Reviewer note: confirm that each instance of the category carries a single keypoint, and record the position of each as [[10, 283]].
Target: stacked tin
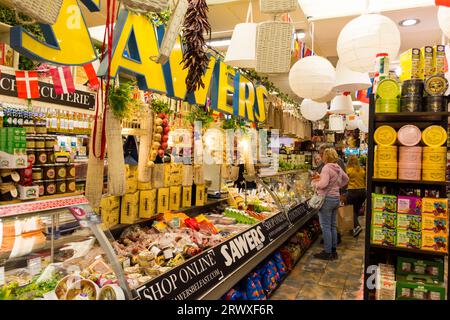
[[434, 154], [435, 88], [412, 93], [387, 96], [385, 153], [410, 155]]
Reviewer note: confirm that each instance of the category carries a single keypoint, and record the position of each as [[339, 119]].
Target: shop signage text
[[136, 43]]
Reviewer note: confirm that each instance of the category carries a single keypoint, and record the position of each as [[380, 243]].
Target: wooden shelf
[[417, 251], [420, 182], [411, 116]]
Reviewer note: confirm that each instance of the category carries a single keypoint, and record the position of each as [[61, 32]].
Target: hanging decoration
[[363, 38], [312, 77], [351, 122], [342, 104], [442, 3], [242, 50], [62, 80], [312, 110], [350, 81], [444, 20], [92, 76], [336, 123], [195, 57], [364, 114], [27, 84]]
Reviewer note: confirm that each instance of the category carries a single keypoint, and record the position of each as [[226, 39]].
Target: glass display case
[[56, 250]]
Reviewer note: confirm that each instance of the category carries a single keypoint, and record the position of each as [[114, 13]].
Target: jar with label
[[61, 186], [70, 168], [50, 187], [37, 174], [50, 156], [61, 172], [31, 156], [49, 171], [71, 185], [40, 184], [41, 156], [50, 142], [31, 142], [39, 142]]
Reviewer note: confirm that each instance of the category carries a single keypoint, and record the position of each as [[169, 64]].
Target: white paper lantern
[[242, 50], [364, 114], [327, 98], [312, 77], [336, 123], [444, 20], [342, 104], [363, 38], [312, 110], [362, 126], [349, 81], [351, 122]]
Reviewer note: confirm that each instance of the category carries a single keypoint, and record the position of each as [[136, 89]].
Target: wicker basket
[[277, 6], [172, 31], [43, 11], [273, 47], [145, 6]]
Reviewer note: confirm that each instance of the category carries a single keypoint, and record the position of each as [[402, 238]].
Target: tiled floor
[[314, 279]]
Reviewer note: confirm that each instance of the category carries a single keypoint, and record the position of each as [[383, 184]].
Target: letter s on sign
[[67, 42], [228, 259]]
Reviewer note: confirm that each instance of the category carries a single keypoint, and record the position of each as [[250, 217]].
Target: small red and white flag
[[443, 3], [92, 76], [27, 85], [63, 80]]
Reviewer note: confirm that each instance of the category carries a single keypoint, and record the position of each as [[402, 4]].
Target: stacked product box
[[435, 224], [384, 219], [420, 279], [409, 222], [385, 282]]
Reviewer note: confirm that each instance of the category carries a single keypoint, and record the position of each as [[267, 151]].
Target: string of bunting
[[62, 77]]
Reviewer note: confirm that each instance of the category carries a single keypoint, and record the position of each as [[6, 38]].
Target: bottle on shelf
[[14, 118], [70, 122]]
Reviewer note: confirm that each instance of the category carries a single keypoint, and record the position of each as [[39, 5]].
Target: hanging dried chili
[[195, 57]]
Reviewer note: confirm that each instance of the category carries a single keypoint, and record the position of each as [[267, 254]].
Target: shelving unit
[[375, 254]]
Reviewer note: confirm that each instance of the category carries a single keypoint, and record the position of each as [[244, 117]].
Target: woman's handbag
[[316, 201]]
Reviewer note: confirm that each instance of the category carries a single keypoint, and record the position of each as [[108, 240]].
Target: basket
[[43, 11], [273, 47], [172, 31], [277, 6], [145, 6]]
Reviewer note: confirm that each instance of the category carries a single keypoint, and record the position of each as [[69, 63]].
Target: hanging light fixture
[[312, 110], [350, 81], [342, 104], [336, 123]]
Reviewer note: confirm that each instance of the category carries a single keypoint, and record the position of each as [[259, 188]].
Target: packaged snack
[[409, 205], [432, 268], [410, 62], [383, 236], [422, 287], [439, 59], [436, 206], [433, 242], [409, 222], [384, 219], [409, 239], [427, 60], [436, 225], [383, 202]]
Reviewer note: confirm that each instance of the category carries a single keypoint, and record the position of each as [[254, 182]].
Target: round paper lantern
[[364, 114], [444, 20], [242, 50], [336, 123], [312, 110], [362, 126], [327, 98], [342, 104], [349, 81], [363, 38], [351, 122], [312, 77]]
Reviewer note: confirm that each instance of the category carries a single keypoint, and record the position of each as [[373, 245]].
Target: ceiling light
[[219, 43], [301, 34], [409, 22]]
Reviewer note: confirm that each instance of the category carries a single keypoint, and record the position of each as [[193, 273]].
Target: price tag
[[155, 250], [126, 263], [34, 266], [2, 276]]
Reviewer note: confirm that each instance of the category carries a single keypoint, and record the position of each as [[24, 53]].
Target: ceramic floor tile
[[353, 283], [318, 292], [286, 292], [333, 279], [351, 295]]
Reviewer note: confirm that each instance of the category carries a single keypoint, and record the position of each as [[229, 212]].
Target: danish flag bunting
[[443, 3], [92, 75], [62, 80], [27, 84]]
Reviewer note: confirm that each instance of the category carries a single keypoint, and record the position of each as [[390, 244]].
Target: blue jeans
[[327, 217]]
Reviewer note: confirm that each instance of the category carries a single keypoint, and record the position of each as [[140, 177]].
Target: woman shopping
[[327, 184], [356, 194]]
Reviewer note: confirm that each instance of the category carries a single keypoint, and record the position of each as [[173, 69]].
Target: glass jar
[[61, 172], [37, 173], [50, 187], [41, 156], [71, 185], [70, 168], [50, 156], [39, 142], [49, 171], [50, 142], [41, 185], [31, 142], [31, 156], [61, 186]]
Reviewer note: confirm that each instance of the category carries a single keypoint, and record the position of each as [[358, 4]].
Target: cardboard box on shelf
[[384, 202], [409, 205], [147, 204], [383, 236], [436, 206], [421, 287], [129, 212], [427, 61], [434, 242], [409, 222], [175, 198], [439, 59], [162, 200], [110, 202], [110, 217], [200, 195], [432, 268], [131, 185], [410, 63], [436, 225], [382, 219], [186, 201], [409, 239]]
